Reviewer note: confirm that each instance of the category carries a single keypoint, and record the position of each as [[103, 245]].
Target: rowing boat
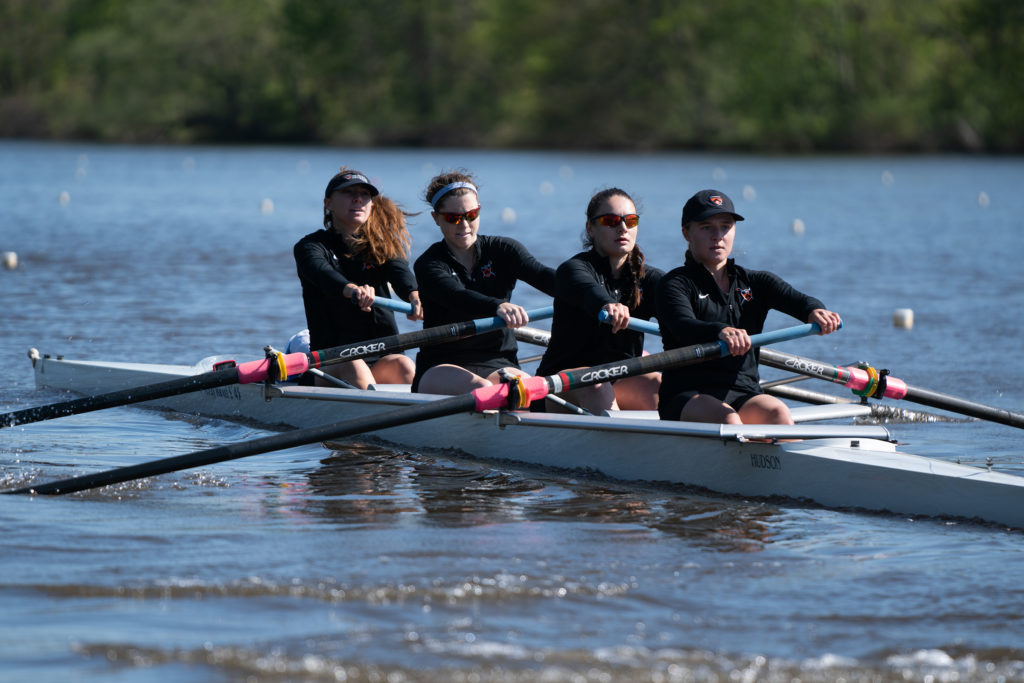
[[832, 465]]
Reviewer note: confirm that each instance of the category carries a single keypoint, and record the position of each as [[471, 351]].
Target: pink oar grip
[[495, 397], [895, 387], [258, 370], [858, 379]]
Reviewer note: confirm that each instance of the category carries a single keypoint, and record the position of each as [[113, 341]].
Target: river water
[[372, 564]]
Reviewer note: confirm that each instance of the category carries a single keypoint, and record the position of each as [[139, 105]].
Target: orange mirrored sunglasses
[[611, 220]]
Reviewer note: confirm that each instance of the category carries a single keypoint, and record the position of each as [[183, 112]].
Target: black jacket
[[583, 286], [693, 310], [324, 269], [451, 293]]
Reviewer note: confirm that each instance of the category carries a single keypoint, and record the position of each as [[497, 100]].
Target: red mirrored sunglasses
[[611, 220], [454, 218]]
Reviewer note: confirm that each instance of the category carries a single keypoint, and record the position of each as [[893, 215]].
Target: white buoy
[[267, 206], [798, 226], [546, 188], [749, 193], [887, 178], [903, 318], [508, 215], [983, 199], [10, 260], [64, 198]]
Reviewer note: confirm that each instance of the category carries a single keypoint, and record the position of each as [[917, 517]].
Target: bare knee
[[394, 369], [451, 380], [704, 408], [766, 409]]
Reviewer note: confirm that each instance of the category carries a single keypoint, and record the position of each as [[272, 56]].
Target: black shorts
[[671, 409], [482, 367]]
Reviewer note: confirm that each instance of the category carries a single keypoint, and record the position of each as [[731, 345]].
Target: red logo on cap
[[715, 199]]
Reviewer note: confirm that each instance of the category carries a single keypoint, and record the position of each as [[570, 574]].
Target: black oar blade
[[300, 437]]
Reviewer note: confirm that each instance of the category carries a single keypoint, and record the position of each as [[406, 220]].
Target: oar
[[515, 395], [635, 324], [859, 379], [866, 383], [532, 335], [392, 304], [276, 366]]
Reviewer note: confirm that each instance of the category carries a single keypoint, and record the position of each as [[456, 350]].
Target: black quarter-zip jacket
[[693, 310], [451, 293], [324, 268], [583, 286]]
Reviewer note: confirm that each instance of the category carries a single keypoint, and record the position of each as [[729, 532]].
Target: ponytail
[[384, 236]]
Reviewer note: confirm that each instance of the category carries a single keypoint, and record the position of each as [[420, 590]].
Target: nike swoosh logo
[[703, 296]]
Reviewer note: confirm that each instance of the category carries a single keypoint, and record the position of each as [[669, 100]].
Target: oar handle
[[392, 304], [766, 337], [635, 324], [776, 336], [496, 323]]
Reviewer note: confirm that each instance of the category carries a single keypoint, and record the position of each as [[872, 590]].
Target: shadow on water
[[371, 483]]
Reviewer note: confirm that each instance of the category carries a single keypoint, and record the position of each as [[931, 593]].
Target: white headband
[[448, 188]]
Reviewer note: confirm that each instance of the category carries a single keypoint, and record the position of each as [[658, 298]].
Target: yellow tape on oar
[[521, 395], [277, 369], [869, 388], [518, 395]]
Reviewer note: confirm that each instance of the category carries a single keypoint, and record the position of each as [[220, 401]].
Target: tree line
[[753, 75]]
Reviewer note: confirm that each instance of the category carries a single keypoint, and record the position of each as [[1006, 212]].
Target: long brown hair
[[635, 261], [384, 236]]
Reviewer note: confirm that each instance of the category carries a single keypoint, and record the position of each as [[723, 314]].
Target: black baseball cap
[[707, 203], [348, 179]]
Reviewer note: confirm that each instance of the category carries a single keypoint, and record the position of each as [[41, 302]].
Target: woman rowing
[[465, 276], [362, 249], [611, 277], [709, 298]]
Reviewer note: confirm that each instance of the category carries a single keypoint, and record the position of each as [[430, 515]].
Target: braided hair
[[635, 261]]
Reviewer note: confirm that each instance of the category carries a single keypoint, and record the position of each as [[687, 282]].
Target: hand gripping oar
[[392, 304], [276, 367], [635, 324], [868, 382], [516, 394]]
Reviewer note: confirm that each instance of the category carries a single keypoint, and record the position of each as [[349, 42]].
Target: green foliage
[[773, 75]]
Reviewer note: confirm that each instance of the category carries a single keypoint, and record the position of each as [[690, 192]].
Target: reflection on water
[[371, 483]]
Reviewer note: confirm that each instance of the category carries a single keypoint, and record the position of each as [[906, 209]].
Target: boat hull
[[835, 466]]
